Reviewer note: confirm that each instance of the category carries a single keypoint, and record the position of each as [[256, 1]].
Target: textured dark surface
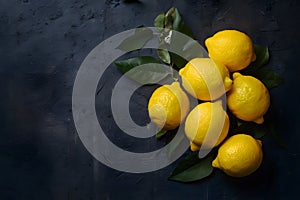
[[42, 44]]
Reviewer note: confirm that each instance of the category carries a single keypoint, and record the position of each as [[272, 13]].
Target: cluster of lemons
[[207, 124]]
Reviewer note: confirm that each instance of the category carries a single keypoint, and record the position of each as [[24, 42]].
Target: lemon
[[232, 48], [207, 124], [205, 79], [168, 106], [248, 99], [239, 156]]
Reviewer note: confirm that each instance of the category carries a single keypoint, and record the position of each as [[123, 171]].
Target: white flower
[[168, 38]]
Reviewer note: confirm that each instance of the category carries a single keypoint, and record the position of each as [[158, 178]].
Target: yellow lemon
[[232, 48], [207, 124], [239, 156], [205, 79], [248, 99], [168, 106]]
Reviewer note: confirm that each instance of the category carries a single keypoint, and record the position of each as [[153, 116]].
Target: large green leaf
[[192, 168], [269, 78], [151, 73], [136, 41]]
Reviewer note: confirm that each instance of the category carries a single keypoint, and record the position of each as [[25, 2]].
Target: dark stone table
[[43, 43]]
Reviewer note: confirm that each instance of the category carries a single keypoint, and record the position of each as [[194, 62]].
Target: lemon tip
[[253, 57], [259, 142], [194, 147], [215, 163], [259, 120], [236, 74], [227, 83], [207, 41]]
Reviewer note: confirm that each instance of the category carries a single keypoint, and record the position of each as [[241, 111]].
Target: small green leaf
[[126, 65], [262, 55], [163, 53], [269, 78], [192, 168], [151, 73], [174, 21], [251, 128], [262, 58], [159, 21], [160, 133], [169, 18], [136, 41]]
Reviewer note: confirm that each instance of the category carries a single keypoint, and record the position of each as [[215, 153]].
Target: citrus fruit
[[239, 156], [168, 106], [248, 98], [207, 124], [205, 79], [232, 48]]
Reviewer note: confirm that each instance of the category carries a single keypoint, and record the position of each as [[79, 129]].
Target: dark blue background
[[42, 44]]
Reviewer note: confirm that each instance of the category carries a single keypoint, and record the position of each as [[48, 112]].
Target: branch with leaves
[[191, 168]]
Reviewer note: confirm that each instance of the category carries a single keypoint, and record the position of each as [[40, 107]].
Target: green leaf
[[192, 49], [192, 168], [159, 21], [160, 133], [136, 41], [259, 133], [179, 62], [148, 74], [262, 58], [188, 49], [251, 128], [174, 21], [163, 53], [179, 25], [186, 163], [269, 78], [126, 65], [169, 18]]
